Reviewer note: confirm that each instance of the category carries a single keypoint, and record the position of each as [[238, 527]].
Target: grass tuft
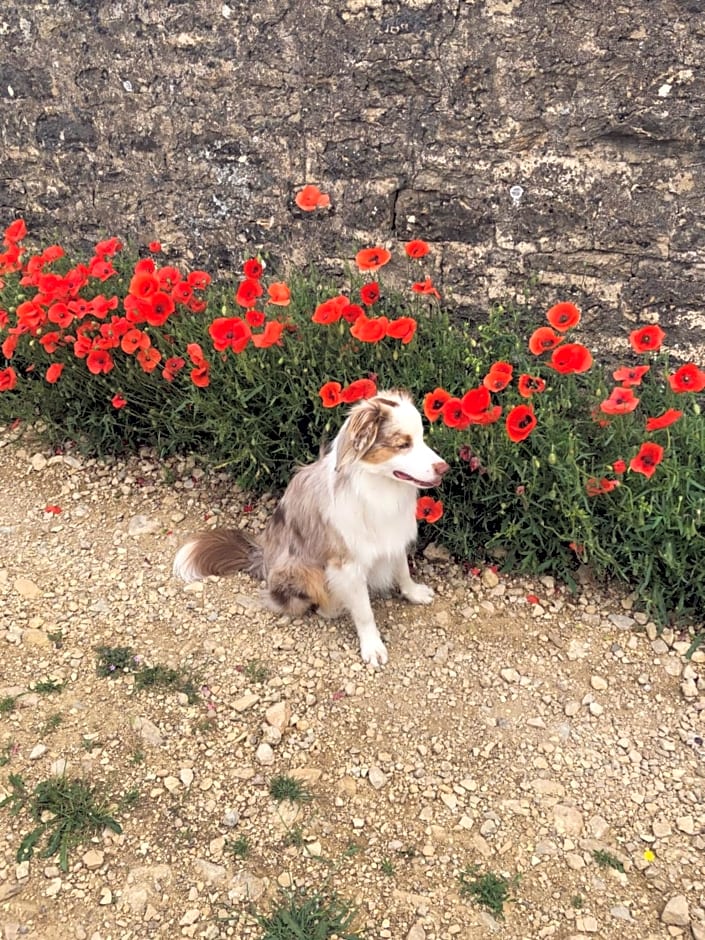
[[488, 889], [66, 810], [301, 916], [606, 860], [283, 787]]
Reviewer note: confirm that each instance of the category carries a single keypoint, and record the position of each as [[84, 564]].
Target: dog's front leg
[[348, 585], [414, 592]]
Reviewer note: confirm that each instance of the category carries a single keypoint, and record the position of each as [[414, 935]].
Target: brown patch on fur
[[360, 431], [387, 446], [223, 552], [295, 588]]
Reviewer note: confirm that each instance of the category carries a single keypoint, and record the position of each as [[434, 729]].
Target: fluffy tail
[[221, 552]]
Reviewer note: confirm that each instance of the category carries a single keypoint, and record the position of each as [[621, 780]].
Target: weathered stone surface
[[417, 118]]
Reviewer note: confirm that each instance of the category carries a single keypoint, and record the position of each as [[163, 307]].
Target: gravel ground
[[520, 737]]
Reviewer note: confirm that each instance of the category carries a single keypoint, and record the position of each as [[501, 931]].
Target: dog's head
[[384, 435]]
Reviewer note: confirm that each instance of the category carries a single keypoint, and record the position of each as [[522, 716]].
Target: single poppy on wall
[[371, 259], [416, 248], [425, 287], [647, 339], [279, 294], [563, 316], [571, 358], [543, 340], [627, 376], [311, 198], [369, 293], [360, 388], [53, 373], [689, 378], [402, 328]]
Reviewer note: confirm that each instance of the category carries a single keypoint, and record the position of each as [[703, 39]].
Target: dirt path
[[560, 741]]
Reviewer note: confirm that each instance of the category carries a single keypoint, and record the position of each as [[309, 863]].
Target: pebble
[[39, 750], [93, 859], [186, 776], [377, 778], [264, 754], [142, 525], [676, 912], [598, 683], [279, 716], [148, 731], [26, 588], [245, 701], [622, 621]]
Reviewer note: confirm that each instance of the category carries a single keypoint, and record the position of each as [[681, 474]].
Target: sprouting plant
[[487, 888], [284, 787], [299, 915], [606, 859]]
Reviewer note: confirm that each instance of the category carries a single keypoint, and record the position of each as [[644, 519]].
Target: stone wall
[[196, 122]]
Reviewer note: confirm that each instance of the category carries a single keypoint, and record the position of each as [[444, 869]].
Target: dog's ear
[[359, 432]]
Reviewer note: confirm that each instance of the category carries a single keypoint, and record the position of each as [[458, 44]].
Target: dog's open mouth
[[423, 484]]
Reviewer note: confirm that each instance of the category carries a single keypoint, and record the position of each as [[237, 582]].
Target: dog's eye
[[405, 445]]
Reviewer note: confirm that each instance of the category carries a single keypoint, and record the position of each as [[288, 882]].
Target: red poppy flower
[[255, 318], [595, 487], [8, 379], [30, 315], [571, 358], [149, 359], [53, 373], [620, 402], [9, 345], [351, 312], [619, 466], [429, 509], [182, 293], [60, 314], [529, 385], [271, 335], [688, 378], [628, 376], [369, 329], [99, 361], [155, 247], [499, 377], [168, 277], [647, 339], [199, 280], [361, 388], [117, 401], [248, 292], [53, 510], [563, 316], [100, 269], [279, 294], [200, 375], [433, 403], [328, 312], [310, 198], [229, 333], [108, 247], [369, 293], [454, 415], [15, 231], [371, 259], [197, 306], [649, 457], [161, 306], [143, 285], [133, 340], [543, 340], [195, 354], [171, 367], [402, 328], [663, 421], [50, 341], [252, 268], [417, 248], [520, 422], [331, 394], [476, 400], [425, 287]]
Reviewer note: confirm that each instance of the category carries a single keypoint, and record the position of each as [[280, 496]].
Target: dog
[[343, 526]]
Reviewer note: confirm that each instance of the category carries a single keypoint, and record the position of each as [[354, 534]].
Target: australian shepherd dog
[[344, 526]]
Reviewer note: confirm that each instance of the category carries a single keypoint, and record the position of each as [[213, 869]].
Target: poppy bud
[[552, 459], [536, 462], [696, 408]]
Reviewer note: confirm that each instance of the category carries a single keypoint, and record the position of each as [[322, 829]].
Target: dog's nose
[[441, 468]]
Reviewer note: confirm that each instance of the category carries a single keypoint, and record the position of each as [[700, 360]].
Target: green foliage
[[8, 704], [284, 787], [113, 661], [487, 888], [158, 676], [48, 686], [239, 847], [301, 916], [256, 671], [606, 859], [524, 504], [65, 810]]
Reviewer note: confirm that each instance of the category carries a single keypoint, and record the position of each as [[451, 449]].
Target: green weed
[[158, 676], [488, 889], [283, 787], [239, 847], [301, 916], [605, 859], [114, 661]]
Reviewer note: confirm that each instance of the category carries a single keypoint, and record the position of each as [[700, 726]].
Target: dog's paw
[[419, 594], [374, 652]]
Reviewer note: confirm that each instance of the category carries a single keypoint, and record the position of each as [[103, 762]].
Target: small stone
[[377, 778], [106, 896], [595, 709], [661, 828], [231, 818], [172, 784], [142, 525], [686, 824], [416, 933], [245, 701], [284, 880], [598, 683], [212, 873], [509, 675], [489, 578], [148, 731], [437, 553], [38, 462], [567, 819], [190, 917], [676, 912], [264, 754], [32, 637], [587, 924], [39, 750], [571, 708], [689, 689], [186, 776], [620, 912], [278, 716], [93, 859], [622, 622], [26, 588]]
